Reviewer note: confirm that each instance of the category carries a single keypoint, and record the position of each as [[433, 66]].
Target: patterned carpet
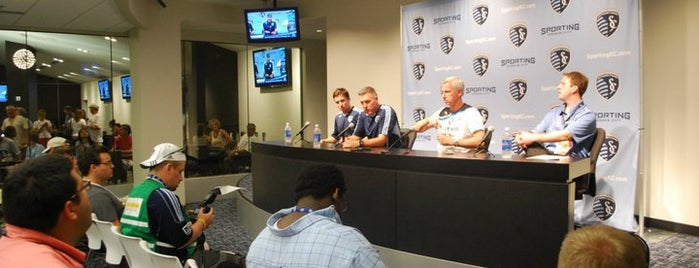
[[667, 250]]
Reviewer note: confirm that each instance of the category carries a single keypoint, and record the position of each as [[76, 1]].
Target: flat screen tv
[[104, 89], [270, 67], [126, 87], [3, 93], [272, 25]]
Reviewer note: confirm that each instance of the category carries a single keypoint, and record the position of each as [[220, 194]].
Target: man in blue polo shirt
[[568, 129], [377, 125], [347, 115]]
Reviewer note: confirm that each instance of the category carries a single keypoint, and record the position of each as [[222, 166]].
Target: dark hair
[[319, 181], [126, 127], [10, 132], [91, 156], [35, 193]]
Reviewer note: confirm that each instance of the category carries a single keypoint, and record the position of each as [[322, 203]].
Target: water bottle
[[287, 133], [316, 136], [506, 144]]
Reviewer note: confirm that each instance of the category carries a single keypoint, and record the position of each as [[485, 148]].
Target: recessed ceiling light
[[319, 31]]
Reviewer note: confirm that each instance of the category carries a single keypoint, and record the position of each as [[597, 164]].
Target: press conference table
[[476, 209]]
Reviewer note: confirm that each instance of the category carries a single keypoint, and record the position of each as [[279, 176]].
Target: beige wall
[[670, 67]]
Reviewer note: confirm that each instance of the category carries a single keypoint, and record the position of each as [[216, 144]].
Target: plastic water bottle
[[506, 144], [287, 133], [316, 136]]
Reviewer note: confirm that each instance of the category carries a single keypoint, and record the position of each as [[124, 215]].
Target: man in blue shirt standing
[[377, 125], [311, 233], [568, 129]]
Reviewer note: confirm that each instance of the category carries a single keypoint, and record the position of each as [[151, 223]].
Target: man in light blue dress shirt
[[311, 233], [568, 129]]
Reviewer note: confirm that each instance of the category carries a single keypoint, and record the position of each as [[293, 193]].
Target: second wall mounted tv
[[271, 66], [272, 25], [105, 90], [126, 87], [3, 93]]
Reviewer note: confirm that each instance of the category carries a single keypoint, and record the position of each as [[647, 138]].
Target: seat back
[[162, 260], [487, 137], [135, 255], [94, 237], [115, 251], [408, 140], [588, 184]]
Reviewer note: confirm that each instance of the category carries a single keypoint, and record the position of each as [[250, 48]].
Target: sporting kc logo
[[480, 14], [560, 57], [518, 34], [560, 5], [607, 85], [609, 148], [418, 70], [419, 114], [518, 88], [604, 207], [446, 43], [480, 65], [418, 25], [608, 22], [484, 113]]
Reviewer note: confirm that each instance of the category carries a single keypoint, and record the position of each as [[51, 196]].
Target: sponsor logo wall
[[512, 55]]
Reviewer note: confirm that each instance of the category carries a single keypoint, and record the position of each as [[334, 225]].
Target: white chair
[[135, 255], [111, 242], [94, 237], [162, 260]]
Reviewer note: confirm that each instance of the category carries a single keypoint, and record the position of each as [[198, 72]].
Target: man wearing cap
[[94, 124], [154, 213]]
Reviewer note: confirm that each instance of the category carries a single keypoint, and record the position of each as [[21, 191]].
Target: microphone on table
[[302, 129], [396, 141], [342, 133]]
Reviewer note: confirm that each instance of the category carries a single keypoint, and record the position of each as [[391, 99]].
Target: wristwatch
[[456, 142], [361, 143]]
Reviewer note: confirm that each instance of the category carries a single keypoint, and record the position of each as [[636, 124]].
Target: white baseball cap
[[164, 152], [55, 142]]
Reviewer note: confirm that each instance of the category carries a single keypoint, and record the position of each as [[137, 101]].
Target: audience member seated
[[311, 234], [84, 143], [201, 138], [238, 158], [602, 246], [47, 211], [123, 144], [154, 213], [219, 137], [96, 165], [34, 149], [9, 150]]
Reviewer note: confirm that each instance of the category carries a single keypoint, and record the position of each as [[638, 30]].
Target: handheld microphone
[[342, 133], [302, 129], [399, 139]]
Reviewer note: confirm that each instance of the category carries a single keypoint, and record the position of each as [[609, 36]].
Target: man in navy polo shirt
[[377, 125]]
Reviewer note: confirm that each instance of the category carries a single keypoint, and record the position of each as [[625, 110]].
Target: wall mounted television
[[271, 66], [3, 93], [105, 90], [272, 25], [126, 87]]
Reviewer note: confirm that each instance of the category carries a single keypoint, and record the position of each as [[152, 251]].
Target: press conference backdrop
[[512, 55]]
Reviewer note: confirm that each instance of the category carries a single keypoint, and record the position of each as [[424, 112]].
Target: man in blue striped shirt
[[311, 233]]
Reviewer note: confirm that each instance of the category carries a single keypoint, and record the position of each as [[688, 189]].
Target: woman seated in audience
[[82, 144], [219, 137], [34, 149], [122, 143]]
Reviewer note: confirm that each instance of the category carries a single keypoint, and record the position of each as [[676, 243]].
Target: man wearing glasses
[[47, 212], [154, 213], [96, 165]]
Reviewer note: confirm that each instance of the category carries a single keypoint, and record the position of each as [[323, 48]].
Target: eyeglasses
[[106, 163], [85, 185]]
